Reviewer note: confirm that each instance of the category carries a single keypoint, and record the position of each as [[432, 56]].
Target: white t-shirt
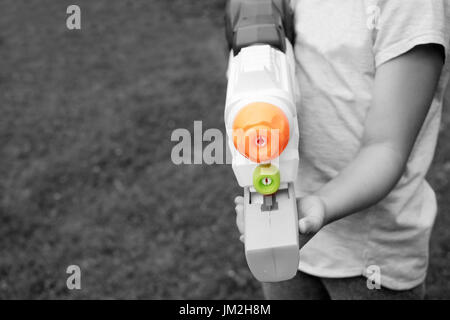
[[338, 48]]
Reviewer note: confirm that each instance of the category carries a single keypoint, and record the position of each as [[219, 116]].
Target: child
[[372, 78]]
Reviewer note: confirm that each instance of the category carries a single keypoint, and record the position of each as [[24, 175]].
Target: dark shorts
[[307, 287]]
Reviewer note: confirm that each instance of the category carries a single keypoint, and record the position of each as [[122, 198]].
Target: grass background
[[85, 171]]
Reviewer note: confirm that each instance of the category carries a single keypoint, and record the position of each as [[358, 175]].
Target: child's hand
[[239, 201], [311, 210], [311, 213]]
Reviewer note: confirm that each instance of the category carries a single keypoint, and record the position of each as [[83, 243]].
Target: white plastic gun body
[[261, 104]]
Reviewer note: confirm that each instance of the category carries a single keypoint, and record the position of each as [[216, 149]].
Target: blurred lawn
[[85, 170]]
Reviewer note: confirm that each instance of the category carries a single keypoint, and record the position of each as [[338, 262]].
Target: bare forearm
[[403, 91], [364, 182]]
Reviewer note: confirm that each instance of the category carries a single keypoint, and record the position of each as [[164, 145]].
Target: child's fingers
[[239, 200], [240, 217]]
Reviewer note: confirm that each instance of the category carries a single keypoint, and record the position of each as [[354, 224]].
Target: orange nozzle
[[260, 131]]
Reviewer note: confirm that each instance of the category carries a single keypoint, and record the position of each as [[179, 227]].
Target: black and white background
[[86, 176]]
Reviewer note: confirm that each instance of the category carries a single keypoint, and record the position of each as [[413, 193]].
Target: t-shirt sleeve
[[404, 24]]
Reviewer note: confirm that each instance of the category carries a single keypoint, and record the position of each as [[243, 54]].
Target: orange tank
[[260, 131]]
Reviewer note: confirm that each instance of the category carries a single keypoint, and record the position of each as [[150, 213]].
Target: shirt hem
[[386, 282], [326, 273]]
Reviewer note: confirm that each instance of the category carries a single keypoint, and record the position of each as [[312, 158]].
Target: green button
[[266, 179]]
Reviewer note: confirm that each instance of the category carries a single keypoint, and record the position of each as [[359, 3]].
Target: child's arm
[[403, 91]]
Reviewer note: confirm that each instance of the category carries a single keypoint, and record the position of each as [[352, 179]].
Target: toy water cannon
[[262, 128]]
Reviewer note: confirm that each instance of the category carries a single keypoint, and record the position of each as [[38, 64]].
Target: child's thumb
[[311, 214], [309, 225]]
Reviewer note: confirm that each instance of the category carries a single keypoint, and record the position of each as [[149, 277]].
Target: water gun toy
[[262, 129]]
